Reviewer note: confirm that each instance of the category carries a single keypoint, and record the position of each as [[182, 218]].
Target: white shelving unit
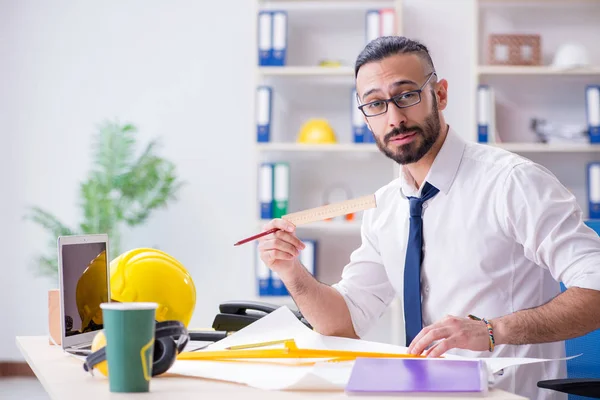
[[303, 89], [306, 71], [302, 147], [544, 92], [491, 70], [549, 147]]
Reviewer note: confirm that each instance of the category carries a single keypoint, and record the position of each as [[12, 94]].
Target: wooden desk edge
[[497, 394]]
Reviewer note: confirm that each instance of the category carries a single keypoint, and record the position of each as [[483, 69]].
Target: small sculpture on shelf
[[548, 132], [571, 55], [514, 49]]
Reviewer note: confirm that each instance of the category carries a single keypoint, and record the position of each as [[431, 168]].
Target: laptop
[[84, 278]]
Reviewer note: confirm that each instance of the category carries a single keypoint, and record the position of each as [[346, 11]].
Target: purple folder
[[411, 375]]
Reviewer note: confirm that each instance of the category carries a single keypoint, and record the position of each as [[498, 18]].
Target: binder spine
[[308, 256], [265, 190], [281, 183], [280, 33], [388, 22], [593, 184], [263, 275], [483, 113], [372, 25], [593, 112], [359, 127], [265, 38], [278, 288], [264, 99]]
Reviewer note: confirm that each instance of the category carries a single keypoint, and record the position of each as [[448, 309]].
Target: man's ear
[[441, 93]]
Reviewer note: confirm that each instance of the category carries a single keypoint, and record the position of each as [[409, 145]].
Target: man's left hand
[[451, 332]]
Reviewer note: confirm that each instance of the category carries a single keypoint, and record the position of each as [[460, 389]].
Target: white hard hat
[[571, 55]]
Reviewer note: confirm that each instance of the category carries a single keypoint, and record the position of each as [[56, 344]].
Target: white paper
[[283, 324]]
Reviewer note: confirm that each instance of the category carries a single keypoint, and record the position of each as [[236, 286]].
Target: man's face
[[405, 135]]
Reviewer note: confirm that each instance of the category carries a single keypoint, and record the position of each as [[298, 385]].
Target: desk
[[63, 377]]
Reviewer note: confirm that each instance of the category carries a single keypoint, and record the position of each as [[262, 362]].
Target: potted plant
[[122, 188]]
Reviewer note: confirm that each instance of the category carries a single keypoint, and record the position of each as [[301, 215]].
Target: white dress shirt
[[497, 238]]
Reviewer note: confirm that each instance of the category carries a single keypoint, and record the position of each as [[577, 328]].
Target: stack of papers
[[298, 374]]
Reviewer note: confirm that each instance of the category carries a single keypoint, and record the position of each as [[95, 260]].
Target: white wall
[[177, 69], [180, 70], [447, 28]]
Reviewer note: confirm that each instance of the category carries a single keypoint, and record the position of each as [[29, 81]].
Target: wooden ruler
[[320, 214], [331, 210]]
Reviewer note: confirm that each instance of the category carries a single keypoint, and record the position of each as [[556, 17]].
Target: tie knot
[[416, 203]]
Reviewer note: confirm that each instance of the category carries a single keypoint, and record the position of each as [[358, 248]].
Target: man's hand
[[451, 332], [280, 250]]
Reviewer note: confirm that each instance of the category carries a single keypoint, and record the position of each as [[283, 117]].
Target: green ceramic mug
[[129, 330]]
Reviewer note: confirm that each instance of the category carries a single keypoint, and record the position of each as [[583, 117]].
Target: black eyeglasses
[[403, 100]]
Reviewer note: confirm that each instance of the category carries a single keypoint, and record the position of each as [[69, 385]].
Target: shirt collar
[[442, 171]]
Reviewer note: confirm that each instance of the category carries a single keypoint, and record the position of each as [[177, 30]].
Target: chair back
[[588, 364]]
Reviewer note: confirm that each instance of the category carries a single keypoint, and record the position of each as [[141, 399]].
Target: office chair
[[583, 372]]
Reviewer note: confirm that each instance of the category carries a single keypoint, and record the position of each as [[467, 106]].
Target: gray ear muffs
[[170, 338]]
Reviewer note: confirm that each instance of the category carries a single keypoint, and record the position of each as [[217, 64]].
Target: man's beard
[[415, 150]]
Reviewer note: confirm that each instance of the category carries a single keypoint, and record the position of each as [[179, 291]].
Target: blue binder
[[265, 38], [280, 40], [593, 189], [308, 256], [277, 286], [263, 275], [372, 25], [265, 190], [264, 101], [359, 127], [592, 100], [483, 113]]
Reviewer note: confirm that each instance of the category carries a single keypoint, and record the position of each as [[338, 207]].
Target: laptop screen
[[85, 284]]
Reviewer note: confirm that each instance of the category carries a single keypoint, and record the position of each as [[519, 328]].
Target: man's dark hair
[[386, 46]]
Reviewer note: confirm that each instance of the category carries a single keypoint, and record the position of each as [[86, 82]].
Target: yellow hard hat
[[89, 295], [98, 343], [151, 275], [317, 131]]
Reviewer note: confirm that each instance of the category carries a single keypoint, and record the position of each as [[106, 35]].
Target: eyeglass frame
[[391, 99]]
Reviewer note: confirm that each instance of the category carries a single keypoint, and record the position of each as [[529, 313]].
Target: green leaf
[[48, 221], [121, 188]]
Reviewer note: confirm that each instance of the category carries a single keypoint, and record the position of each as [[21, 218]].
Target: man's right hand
[[279, 251]]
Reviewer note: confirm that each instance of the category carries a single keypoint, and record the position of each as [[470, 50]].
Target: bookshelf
[[306, 71], [491, 70], [546, 91], [549, 147], [334, 32], [300, 147]]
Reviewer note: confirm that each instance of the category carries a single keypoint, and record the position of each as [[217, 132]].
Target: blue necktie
[[412, 266]]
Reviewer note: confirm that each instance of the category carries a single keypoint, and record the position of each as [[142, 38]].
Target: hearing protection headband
[[173, 330]]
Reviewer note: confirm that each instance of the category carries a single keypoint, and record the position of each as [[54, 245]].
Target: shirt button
[[424, 205], [427, 289]]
